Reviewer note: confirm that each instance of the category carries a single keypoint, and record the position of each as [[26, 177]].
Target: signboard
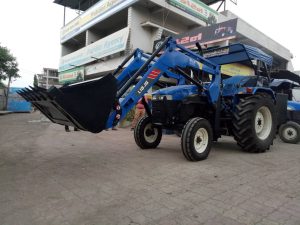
[[104, 66], [231, 69], [109, 45], [206, 35], [236, 69], [197, 9], [217, 52], [71, 76], [93, 15]]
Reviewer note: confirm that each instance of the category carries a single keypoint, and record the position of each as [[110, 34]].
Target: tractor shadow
[[171, 145], [226, 145]]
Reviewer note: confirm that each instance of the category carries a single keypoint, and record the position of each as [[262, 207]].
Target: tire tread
[[242, 124]]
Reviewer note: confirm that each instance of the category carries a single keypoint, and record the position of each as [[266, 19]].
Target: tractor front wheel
[[146, 134], [290, 132], [254, 123], [196, 139]]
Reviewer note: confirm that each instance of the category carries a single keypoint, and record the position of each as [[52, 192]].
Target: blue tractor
[[289, 83], [202, 105], [241, 106]]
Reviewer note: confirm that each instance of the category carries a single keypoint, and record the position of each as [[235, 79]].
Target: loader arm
[[84, 105], [168, 65], [94, 105]]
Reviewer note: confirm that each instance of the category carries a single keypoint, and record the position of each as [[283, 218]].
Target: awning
[[85, 4], [76, 4], [210, 2]]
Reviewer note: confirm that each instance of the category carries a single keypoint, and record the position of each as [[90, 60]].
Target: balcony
[[95, 14], [109, 45]]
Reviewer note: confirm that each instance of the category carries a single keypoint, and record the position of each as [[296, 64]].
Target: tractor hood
[[175, 92]]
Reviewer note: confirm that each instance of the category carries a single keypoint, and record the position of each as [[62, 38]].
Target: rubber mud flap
[[84, 105]]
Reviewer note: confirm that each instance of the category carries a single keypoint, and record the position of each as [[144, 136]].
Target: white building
[[48, 78], [106, 31], [247, 34]]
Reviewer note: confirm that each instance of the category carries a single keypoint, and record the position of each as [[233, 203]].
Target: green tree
[[8, 68], [35, 80]]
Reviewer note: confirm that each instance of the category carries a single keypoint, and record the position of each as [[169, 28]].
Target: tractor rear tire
[[254, 123], [146, 134], [196, 139], [290, 132]]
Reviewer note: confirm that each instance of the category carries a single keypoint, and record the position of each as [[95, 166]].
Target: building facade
[[247, 34], [48, 78], [106, 31]]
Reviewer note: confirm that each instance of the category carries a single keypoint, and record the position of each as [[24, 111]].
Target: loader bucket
[[84, 105]]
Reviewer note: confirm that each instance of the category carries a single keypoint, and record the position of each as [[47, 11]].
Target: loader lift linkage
[[59, 107]]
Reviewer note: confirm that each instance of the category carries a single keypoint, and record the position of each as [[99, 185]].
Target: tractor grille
[[165, 111]]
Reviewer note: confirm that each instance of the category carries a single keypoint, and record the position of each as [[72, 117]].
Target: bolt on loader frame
[[95, 105]]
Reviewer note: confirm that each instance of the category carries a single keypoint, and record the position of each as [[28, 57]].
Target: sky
[[31, 30]]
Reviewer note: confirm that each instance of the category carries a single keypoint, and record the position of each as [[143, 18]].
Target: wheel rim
[[201, 140], [150, 133], [263, 122], [290, 133]]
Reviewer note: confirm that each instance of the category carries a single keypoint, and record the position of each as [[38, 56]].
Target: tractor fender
[[268, 91], [256, 90]]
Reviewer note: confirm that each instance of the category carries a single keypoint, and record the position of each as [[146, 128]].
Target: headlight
[[290, 108], [161, 97]]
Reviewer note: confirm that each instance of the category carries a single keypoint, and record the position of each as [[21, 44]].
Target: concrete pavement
[[48, 176]]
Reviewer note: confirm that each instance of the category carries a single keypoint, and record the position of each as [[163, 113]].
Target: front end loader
[[95, 105], [201, 106]]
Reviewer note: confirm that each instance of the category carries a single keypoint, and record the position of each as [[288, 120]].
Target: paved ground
[[48, 176]]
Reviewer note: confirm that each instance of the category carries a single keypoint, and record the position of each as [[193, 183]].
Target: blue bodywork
[[231, 86], [293, 111], [293, 106], [240, 85], [236, 85], [164, 66], [178, 93], [184, 58], [287, 85], [238, 53], [198, 77]]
